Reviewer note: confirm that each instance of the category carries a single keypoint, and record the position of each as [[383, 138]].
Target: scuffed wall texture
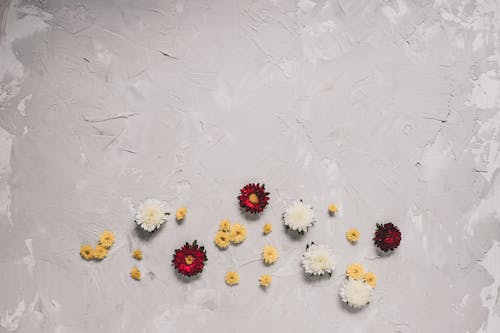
[[387, 108]]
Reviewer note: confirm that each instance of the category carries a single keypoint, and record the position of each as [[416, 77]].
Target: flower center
[[253, 198], [189, 259]]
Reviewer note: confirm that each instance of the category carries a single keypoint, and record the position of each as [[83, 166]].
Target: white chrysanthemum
[[318, 260], [356, 293], [299, 216], [151, 214]]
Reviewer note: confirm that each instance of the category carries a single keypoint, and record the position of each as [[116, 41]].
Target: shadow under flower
[[145, 235]]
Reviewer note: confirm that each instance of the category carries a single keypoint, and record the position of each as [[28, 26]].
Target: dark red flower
[[190, 259], [254, 198], [387, 237]]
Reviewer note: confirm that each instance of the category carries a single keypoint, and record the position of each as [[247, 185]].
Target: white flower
[[151, 214], [298, 216], [318, 260], [356, 293]]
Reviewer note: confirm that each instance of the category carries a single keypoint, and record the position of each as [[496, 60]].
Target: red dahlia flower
[[254, 198], [190, 259], [387, 237]]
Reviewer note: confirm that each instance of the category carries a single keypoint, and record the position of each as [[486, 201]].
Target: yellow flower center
[[253, 198], [189, 259]]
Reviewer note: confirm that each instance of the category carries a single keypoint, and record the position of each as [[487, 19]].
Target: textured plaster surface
[[387, 108]]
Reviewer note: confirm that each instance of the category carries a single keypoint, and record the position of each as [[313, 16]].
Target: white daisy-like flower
[[151, 214], [318, 260], [298, 216], [356, 293]]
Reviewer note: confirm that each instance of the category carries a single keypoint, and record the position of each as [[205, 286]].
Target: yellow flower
[[355, 271], [371, 279], [352, 235], [265, 280], [137, 254], [107, 239], [222, 239], [100, 252], [181, 213], [332, 209], [267, 228], [225, 225], [232, 278], [135, 273], [87, 252], [270, 254], [238, 233]]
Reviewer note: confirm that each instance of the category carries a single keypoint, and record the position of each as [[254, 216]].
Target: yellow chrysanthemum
[[355, 271], [332, 209], [100, 252], [232, 278], [137, 254], [238, 233], [267, 228], [222, 239], [87, 252], [181, 213], [135, 273], [270, 254], [371, 279], [265, 280], [107, 239], [225, 225], [352, 235]]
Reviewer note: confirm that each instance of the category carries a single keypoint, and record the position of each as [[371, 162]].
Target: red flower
[[254, 198], [387, 237], [190, 259]]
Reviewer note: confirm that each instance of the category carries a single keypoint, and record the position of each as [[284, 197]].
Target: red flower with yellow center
[[253, 198], [387, 237], [190, 259]]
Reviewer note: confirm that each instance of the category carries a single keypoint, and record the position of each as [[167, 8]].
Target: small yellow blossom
[[352, 235], [135, 273], [87, 252], [222, 239], [232, 278], [267, 228], [225, 225], [371, 279], [332, 209], [355, 271], [238, 233], [107, 239], [100, 252], [270, 254], [265, 280], [181, 213], [137, 254]]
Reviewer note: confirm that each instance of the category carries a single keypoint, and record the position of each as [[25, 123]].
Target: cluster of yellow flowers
[[357, 272], [233, 278], [106, 240], [135, 273], [229, 233]]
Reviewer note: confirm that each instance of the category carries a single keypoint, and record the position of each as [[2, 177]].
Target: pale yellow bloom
[[87, 252], [270, 254], [107, 239], [232, 278], [371, 279], [100, 252], [355, 271], [222, 239], [332, 208], [181, 213], [225, 225], [238, 233], [135, 273], [265, 280], [267, 228], [352, 235], [137, 254]]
